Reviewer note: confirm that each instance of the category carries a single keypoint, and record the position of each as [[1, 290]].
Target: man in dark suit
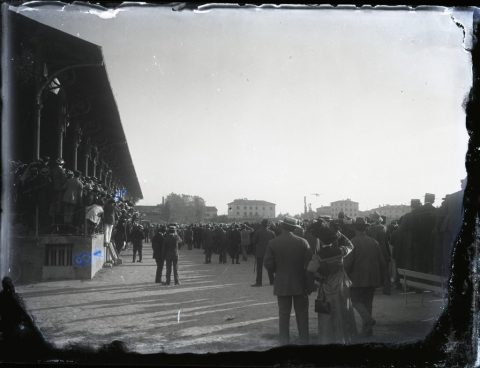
[[170, 246], [287, 256], [158, 253], [261, 237], [137, 239], [365, 266], [422, 235], [378, 232], [220, 239], [188, 237], [234, 240], [208, 243]]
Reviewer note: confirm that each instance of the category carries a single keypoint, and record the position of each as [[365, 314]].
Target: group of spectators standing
[[342, 262], [346, 260], [59, 198], [71, 204], [422, 240], [299, 258], [343, 259]]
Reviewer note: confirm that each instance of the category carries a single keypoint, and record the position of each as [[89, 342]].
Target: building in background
[[391, 212], [153, 214], [324, 211], [347, 206], [254, 210], [210, 212]]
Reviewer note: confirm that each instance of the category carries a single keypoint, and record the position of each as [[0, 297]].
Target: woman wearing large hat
[[336, 321]]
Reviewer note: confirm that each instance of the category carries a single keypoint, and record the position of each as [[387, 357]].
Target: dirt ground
[[214, 309]]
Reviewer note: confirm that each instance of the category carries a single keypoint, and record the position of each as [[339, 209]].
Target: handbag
[[321, 304], [313, 264]]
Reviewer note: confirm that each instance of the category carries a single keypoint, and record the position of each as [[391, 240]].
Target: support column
[[38, 108], [77, 138], [87, 158], [95, 161], [102, 168], [109, 178], [87, 151], [61, 129]]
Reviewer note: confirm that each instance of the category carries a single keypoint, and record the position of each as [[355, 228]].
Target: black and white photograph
[[227, 179]]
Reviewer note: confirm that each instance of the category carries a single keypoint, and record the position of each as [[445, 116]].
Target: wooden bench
[[418, 280]]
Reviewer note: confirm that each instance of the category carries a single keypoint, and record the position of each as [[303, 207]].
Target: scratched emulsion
[[214, 309]]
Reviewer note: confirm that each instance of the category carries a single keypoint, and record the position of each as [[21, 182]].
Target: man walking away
[[188, 237], [158, 253], [365, 266], [378, 232], [171, 243], [287, 256], [234, 240], [245, 240], [137, 241], [221, 244], [208, 243], [261, 238]]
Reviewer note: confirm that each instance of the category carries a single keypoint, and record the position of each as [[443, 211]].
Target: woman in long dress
[[337, 326]]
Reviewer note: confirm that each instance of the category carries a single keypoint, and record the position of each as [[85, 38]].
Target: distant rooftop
[[253, 202], [344, 200]]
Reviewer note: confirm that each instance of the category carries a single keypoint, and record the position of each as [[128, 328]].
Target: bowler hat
[[415, 202], [360, 224], [290, 223], [429, 198]]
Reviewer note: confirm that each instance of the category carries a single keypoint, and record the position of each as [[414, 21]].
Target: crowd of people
[[51, 199], [62, 197], [300, 257], [344, 260]]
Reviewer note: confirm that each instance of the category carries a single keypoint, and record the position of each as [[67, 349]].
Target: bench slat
[[419, 285], [421, 275]]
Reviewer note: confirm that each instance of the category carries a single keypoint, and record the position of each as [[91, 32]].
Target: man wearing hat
[[261, 237], [245, 233], [58, 180], [170, 247], [403, 251], [287, 256], [234, 240], [72, 196], [158, 253], [422, 240], [366, 267], [137, 236], [378, 232], [208, 243], [220, 238]]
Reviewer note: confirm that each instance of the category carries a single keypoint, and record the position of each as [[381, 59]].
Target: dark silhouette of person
[[21, 337]]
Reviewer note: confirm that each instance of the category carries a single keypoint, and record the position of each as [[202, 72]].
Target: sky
[[278, 104]]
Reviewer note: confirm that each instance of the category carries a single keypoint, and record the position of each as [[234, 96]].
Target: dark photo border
[[453, 340]]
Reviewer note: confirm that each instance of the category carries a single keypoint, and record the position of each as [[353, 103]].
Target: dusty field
[[214, 309]]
